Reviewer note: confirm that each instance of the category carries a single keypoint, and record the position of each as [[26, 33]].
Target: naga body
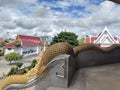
[[45, 58]]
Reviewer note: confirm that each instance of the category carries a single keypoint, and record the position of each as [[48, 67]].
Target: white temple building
[[104, 39]]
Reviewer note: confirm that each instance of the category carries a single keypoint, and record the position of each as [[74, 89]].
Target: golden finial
[[45, 44], [44, 47]]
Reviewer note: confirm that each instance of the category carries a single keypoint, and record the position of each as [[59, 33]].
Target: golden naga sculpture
[[46, 56]]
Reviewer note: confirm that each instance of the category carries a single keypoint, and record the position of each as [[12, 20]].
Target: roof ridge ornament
[[106, 28], [101, 36]]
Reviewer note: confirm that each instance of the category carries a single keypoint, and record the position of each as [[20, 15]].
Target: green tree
[[1, 52], [19, 64], [13, 57], [17, 43], [33, 63], [2, 44], [69, 37], [13, 70], [81, 41], [18, 70]]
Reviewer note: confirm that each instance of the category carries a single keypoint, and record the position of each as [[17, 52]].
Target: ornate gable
[[105, 38]]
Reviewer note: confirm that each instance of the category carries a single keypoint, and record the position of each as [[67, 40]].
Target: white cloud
[[46, 21], [13, 3], [29, 1], [41, 12], [4, 14]]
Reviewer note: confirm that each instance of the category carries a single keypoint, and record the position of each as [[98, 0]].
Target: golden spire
[[45, 44]]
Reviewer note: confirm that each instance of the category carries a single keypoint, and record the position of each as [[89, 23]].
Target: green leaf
[[69, 37]]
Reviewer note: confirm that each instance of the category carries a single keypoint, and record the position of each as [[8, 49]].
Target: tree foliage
[[19, 64], [1, 52], [13, 70], [34, 62], [13, 57], [18, 70], [17, 43], [81, 41], [69, 37], [2, 44]]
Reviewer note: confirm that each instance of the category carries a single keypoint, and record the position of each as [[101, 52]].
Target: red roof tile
[[30, 40], [93, 39], [30, 43], [29, 37], [117, 38], [1, 40], [90, 39], [26, 41], [87, 40], [10, 45]]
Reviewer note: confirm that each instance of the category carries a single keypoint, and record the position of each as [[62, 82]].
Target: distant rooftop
[[1, 40], [26, 41]]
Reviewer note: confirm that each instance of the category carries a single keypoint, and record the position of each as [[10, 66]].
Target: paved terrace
[[105, 77]]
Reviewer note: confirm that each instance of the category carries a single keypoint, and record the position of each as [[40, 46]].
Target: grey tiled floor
[[105, 77]]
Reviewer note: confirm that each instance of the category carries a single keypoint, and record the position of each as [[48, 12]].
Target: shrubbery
[[1, 52], [34, 62], [13, 57], [2, 44], [13, 70], [17, 70], [19, 64]]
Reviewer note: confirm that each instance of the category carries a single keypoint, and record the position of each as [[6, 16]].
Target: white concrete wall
[[25, 51], [8, 51], [39, 49], [18, 50], [29, 50]]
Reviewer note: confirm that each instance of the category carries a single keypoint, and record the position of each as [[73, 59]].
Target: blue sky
[[49, 17]]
